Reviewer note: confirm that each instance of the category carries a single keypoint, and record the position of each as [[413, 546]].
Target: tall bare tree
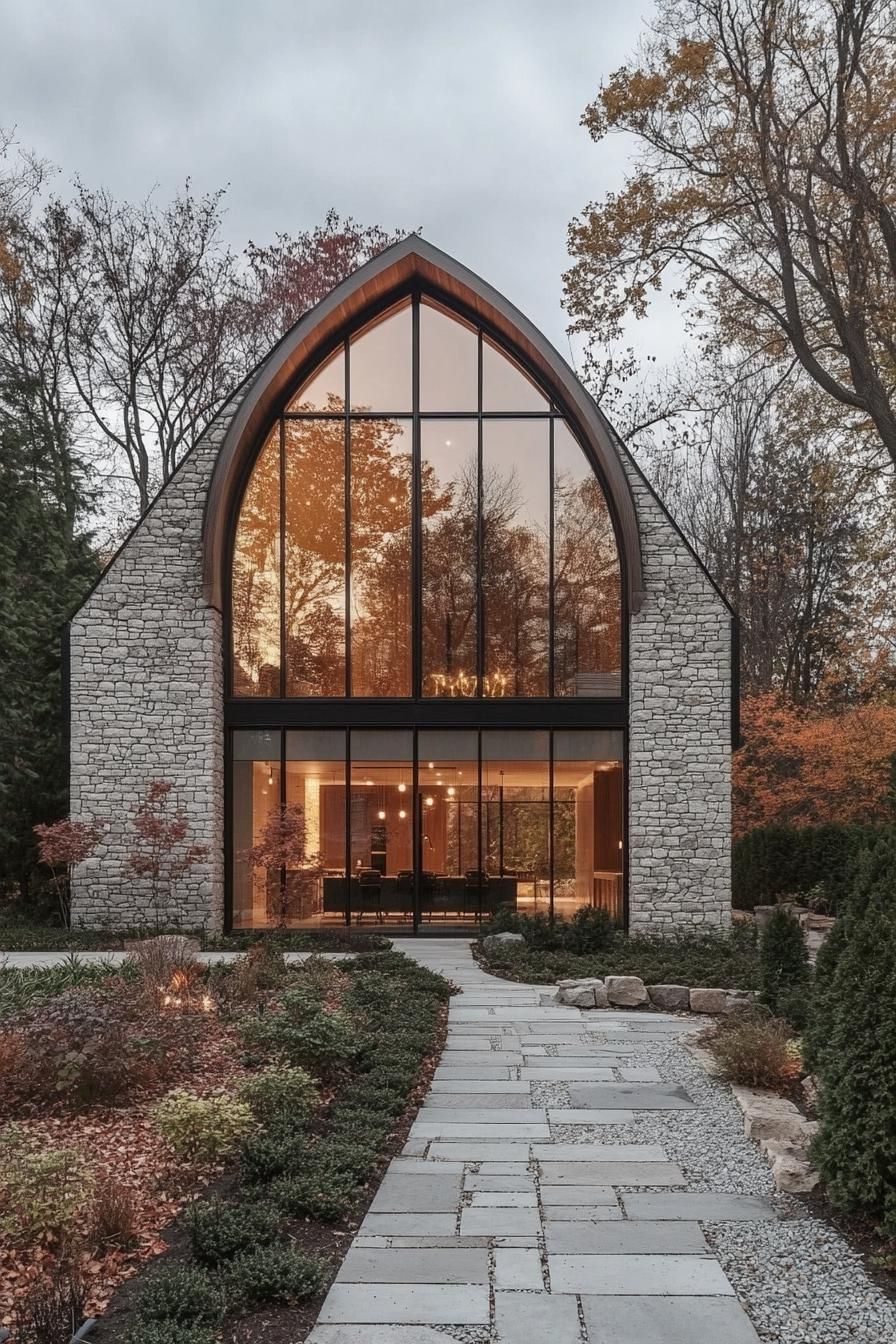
[[764, 183]]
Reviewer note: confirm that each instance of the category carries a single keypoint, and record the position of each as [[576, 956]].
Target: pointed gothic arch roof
[[391, 272]]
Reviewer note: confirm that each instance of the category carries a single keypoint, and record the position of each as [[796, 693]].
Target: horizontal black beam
[[323, 713]]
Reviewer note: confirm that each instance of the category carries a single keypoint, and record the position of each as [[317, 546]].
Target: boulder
[[794, 1173], [669, 997], [626, 991], [739, 1000], [810, 1090], [586, 993], [709, 1000], [495, 941], [772, 1117]]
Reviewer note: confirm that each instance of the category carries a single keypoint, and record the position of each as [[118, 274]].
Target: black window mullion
[[551, 825], [282, 507], [348, 828], [282, 791], [416, 511], [480, 857], [480, 595], [416, 836], [551, 573]]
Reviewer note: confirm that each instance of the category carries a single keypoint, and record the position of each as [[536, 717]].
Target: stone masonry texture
[[147, 703]]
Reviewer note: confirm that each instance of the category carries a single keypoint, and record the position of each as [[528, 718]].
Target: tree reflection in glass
[[255, 595], [449, 453]]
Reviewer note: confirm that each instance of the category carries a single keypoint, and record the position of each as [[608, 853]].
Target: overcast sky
[[461, 119]]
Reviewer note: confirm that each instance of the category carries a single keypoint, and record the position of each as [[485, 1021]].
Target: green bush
[[304, 1034], [813, 863], [272, 1274], [784, 968], [590, 930], [159, 1332], [855, 1017], [43, 1191], [181, 1295], [317, 1189], [269, 1154], [281, 1094], [203, 1129], [754, 1049], [220, 1229], [356, 1154]]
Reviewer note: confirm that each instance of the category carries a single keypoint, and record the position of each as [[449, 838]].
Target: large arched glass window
[[421, 521]]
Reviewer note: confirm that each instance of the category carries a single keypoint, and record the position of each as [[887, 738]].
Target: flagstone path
[[497, 1224]]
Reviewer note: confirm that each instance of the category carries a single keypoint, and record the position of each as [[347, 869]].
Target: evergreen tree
[[784, 967], [45, 569], [856, 1145]]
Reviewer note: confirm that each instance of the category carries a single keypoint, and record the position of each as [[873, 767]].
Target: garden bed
[[301, 1086], [54, 938]]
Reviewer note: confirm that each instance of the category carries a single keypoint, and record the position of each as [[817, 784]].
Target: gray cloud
[[461, 118]]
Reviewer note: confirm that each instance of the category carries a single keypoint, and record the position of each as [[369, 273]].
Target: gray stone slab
[[643, 1074], [646, 1275], [472, 1150], [455, 1129], [457, 1059], [483, 1115], [409, 1224], [574, 1174], [708, 1207], [656, 1320], [504, 1199], [573, 1116], [599, 1152], [577, 1194], [536, 1074], [581, 1213], [413, 1266], [524, 1318], [499, 1222], [470, 1072], [486, 1101], [477, 1180], [518, 1269], [557, 1067], [490, 1168], [478, 1086], [628, 1173], [627, 1238], [419, 1166], [375, 1334], [417, 1193], [631, 1096], [364, 1242], [410, 1303]]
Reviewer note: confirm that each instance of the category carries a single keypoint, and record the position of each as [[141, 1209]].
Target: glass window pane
[[452, 887], [381, 488], [516, 814], [587, 585], [380, 365], [315, 557], [588, 822], [449, 456], [255, 793], [325, 389], [505, 387], [382, 826], [315, 794], [256, 578], [515, 548], [449, 361]]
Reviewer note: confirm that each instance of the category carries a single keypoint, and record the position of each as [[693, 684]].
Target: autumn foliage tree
[[764, 186], [163, 852], [281, 852], [62, 845]]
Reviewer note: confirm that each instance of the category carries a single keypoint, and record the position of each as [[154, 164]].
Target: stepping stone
[[520, 1269], [505, 1169], [624, 1173], [482, 1115], [482, 1151], [417, 1193], [560, 1069], [503, 1199], [653, 1320], [581, 1213], [499, 1222], [577, 1194], [578, 1117], [645, 1074], [646, 1275], [445, 1129], [632, 1096], [482, 1181], [456, 1059], [537, 1074], [375, 1334], [599, 1152], [468, 1043], [414, 1266], [409, 1224], [494, 1073], [479, 1086], [465, 1101], [627, 1238], [418, 1166], [707, 1207], [523, 1318], [413, 1303]]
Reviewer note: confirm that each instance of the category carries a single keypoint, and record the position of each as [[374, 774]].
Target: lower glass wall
[[530, 820]]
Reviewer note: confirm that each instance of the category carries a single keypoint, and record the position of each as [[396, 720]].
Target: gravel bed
[[802, 1284], [550, 1094]]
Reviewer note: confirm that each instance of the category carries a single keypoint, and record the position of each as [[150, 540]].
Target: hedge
[[815, 863]]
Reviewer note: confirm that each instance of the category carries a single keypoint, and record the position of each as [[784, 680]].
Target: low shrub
[[203, 1129], [52, 1309], [267, 1155], [42, 1190], [159, 1332], [281, 1094], [356, 1154], [784, 968], [113, 1215], [316, 1189], [590, 930], [25, 988], [181, 1295], [304, 1034], [220, 1229], [259, 972], [272, 1274], [815, 864], [754, 1049], [158, 962]]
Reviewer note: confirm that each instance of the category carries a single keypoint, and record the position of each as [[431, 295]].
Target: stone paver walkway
[[493, 1226]]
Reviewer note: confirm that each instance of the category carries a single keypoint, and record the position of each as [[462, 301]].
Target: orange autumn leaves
[[805, 766]]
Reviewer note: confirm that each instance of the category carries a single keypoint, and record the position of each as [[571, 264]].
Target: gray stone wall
[[147, 703], [679, 735]]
